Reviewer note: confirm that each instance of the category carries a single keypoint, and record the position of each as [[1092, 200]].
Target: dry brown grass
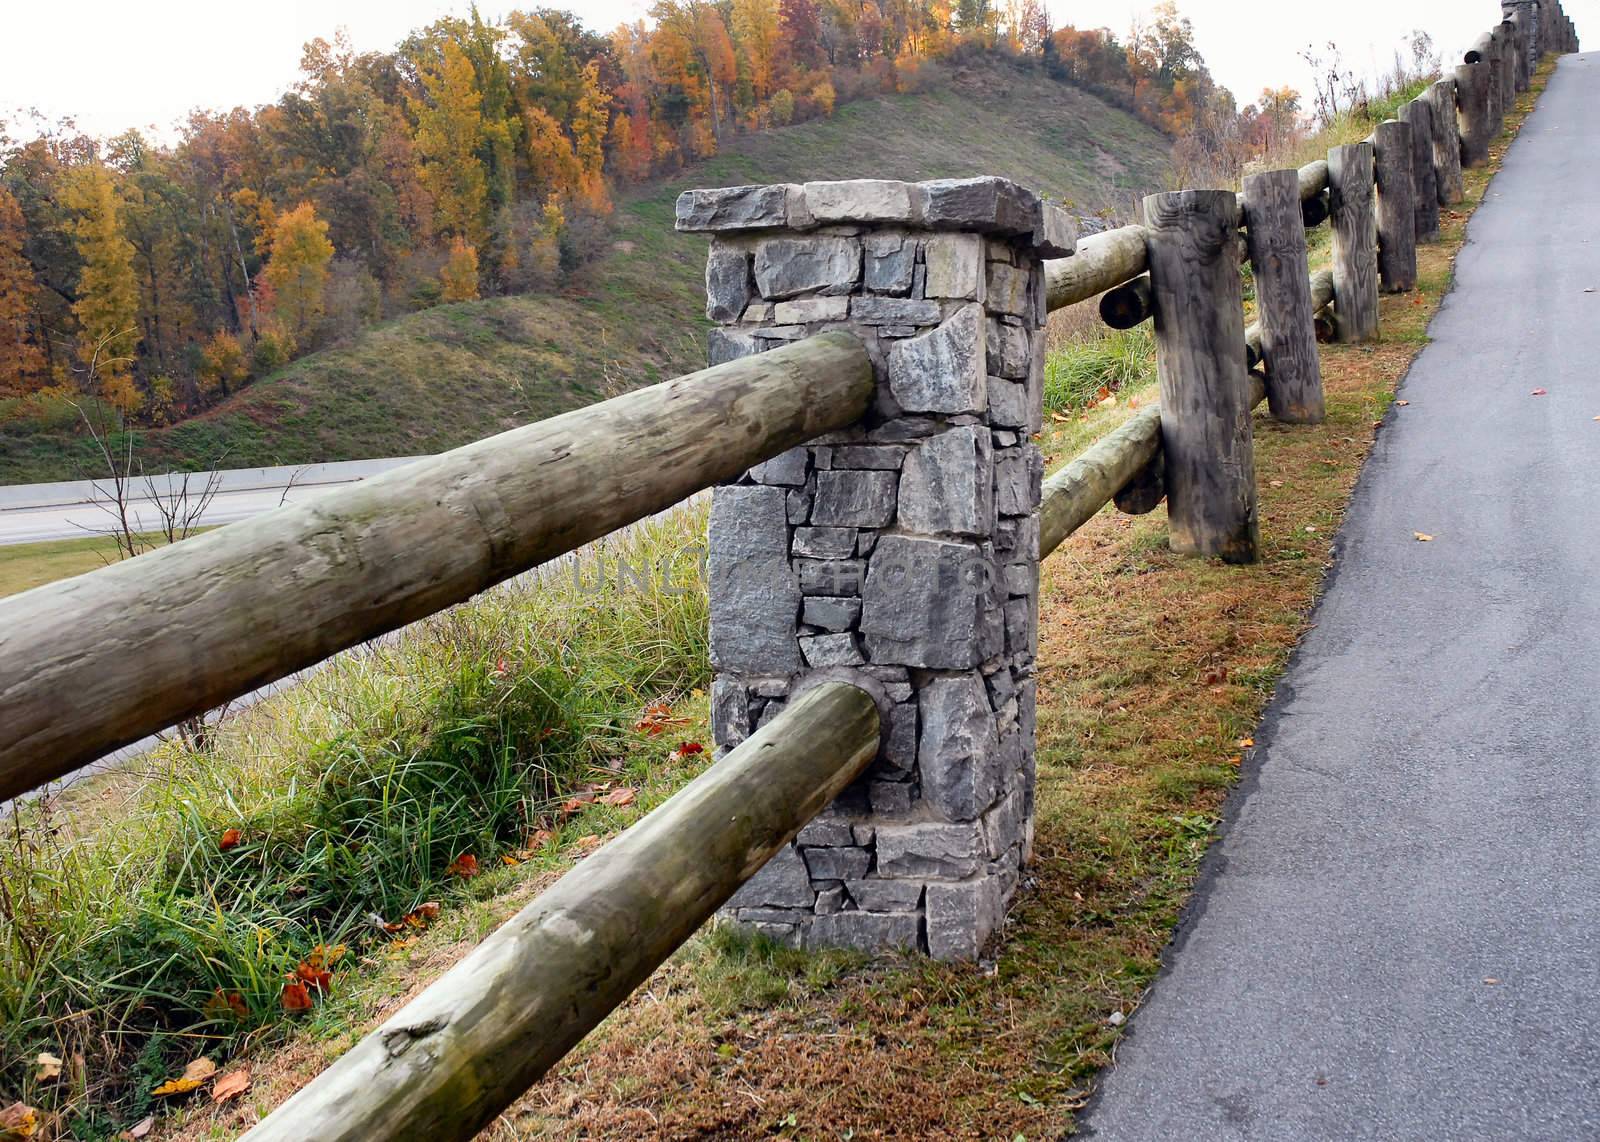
[[1155, 668]]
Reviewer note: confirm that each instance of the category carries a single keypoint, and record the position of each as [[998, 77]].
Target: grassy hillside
[[450, 375]]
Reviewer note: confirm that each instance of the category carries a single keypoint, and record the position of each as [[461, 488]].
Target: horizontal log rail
[[466, 1048], [96, 662]]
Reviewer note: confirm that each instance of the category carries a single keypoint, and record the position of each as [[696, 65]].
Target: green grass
[[453, 374], [1083, 372], [27, 565], [130, 934]]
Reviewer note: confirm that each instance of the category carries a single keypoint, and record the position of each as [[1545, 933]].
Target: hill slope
[[441, 378]]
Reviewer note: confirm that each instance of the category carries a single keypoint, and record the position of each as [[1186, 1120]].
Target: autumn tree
[[458, 280], [107, 305], [756, 31], [22, 364], [298, 270], [449, 133]]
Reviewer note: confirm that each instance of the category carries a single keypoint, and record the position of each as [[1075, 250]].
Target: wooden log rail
[[452, 1059], [96, 662]]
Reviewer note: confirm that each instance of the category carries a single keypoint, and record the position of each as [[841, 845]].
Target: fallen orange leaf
[[1423, 537], [1246, 743], [230, 839], [465, 866], [231, 1085], [592, 841], [49, 1067], [296, 998], [221, 1004], [19, 1120], [194, 1076], [509, 860], [621, 797]]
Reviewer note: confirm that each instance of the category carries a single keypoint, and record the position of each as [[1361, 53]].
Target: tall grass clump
[[1082, 372], [159, 919]]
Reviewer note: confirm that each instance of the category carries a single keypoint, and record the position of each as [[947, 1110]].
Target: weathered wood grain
[[461, 1052], [1321, 287], [1277, 241], [1073, 495], [1425, 180], [92, 663], [1397, 212], [1508, 66], [1446, 142], [1102, 261], [1355, 241], [1472, 112], [1193, 246]]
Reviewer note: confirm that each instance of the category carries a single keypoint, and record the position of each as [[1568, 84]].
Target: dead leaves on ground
[[464, 866], [18, 1121], [230, 839], [195, 1076], [657, 718]]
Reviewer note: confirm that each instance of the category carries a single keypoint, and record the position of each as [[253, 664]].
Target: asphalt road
[[1398, 935], [38, 512]]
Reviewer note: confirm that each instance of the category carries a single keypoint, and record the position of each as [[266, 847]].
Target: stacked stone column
[[901, 554]]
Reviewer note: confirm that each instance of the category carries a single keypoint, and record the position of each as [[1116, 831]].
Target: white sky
[[147, 63]]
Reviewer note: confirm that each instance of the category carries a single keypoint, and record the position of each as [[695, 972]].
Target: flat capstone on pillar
[[901, 554]]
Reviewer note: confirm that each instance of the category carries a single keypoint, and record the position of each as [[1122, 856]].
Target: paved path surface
[[31, 513], [1398, 936]]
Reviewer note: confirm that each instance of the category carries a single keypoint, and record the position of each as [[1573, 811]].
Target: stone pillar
[[901, 554]]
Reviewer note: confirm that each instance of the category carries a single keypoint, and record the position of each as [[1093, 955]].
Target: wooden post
[[1277, 241], [1519, 37], [1355, 241], [1446, 142], [1193, 249], [1493, 57], [447, 1063], [1425, 180], [1397, 197], [1508, 70], [1472, 112], [93, 663]]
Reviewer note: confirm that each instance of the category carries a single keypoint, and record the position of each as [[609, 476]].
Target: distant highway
[[33, 513]]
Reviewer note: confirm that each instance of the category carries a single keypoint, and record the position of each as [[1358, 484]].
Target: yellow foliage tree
[[107, 304], [298, 270], [449, 136], [22, 365], [590, 122], [459, 277], [756, 35]]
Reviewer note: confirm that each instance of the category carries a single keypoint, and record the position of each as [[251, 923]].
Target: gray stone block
[[1002, 688], [943, 370], [1008, 290], [830, 900], [826, 832], [1010, 351], [900, 748], [932, 849], [1057, 236], [807, 310], [962, 916], [891, 263], [1002, 825], [825, 542], [788, 267], [831, 650], [958, 751], [754, 594], [730, 712], [733, 208], [947, 484], [727, 282], [877, 457], [854, 499], [954, 266], [757, 313], [724, 345], [859, 200], [798, 505], [781, 883], [889, 798], [786, 468], [988, 205], [789, 935], [830, 577], [923, 602], [1021, 633], [1016, 486], [830, 614], [1022, 579], [885, 895], [866, 931], [837, 863], [894, 311], [1008, 403]]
